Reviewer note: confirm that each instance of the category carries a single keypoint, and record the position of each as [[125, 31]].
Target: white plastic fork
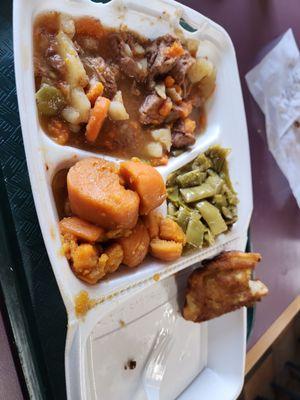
[[157, 363]]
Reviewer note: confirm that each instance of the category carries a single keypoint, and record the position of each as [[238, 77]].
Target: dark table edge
[[19, 328]]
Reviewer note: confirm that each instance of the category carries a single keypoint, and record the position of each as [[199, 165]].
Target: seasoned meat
[[182, 135], [182, 64], [158, 60], [105, 72], [224, 284], [51, 62], [179, 111], [123, 45], [149, 110]]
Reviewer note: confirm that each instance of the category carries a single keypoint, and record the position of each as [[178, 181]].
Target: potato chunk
[[135, 246], [170, 230], [146, 181], [96, 195], [152, 223], [165, 250]]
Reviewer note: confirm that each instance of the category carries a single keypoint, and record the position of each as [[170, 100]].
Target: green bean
[[183, 217], [196, 193], [191, 178], [215, 182], [219, 200], [172, 210], [49, 100], [173, 194], [171, 180], [208, 237], [195, 231], [218, 156], [202, 163], [212, 216]]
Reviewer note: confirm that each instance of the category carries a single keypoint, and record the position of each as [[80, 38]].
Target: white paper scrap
[[275, 85]]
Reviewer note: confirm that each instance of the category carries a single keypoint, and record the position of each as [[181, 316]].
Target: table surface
[[275, 226]]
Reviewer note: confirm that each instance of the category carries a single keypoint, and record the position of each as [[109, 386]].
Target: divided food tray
[[226, 126]]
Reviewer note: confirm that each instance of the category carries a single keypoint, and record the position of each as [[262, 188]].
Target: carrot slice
[[97, 117], [175, 50], [166, 108], [169, 81], [81, 229], [94, 92]]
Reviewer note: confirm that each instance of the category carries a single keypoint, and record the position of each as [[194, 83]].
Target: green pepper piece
[[49, 100], [191, 178], [195, 231], [213, 217]]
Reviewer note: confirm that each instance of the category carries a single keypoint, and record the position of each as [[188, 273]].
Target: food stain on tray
[[83, 303]]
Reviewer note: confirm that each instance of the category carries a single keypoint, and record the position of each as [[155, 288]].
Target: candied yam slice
[[165, 250], [170, 230], [146, 181], [152, 223], [81, 229], [96, 195], [135, 246], [86, 264], [115, 256]]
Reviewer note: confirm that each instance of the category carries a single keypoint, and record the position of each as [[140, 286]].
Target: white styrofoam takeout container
[[125, 290]]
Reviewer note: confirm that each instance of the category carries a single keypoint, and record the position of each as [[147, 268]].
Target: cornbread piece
[[224, 284]]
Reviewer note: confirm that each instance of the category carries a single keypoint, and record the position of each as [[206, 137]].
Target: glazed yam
[[81, 229], [165, 250], [135, 246], [146, 181], [86, 265], [96, 195], [152, 223], [115, 256], [170, 230]]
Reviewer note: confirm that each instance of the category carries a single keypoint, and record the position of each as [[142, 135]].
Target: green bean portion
[[201, 198]]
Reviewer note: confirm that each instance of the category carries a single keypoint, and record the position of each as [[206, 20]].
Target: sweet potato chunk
[[170, 230], [166, 250], [135, 246], [146, 181], [96, 195], [115, 256], [152, 223], [81, 229], [86, 264]]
